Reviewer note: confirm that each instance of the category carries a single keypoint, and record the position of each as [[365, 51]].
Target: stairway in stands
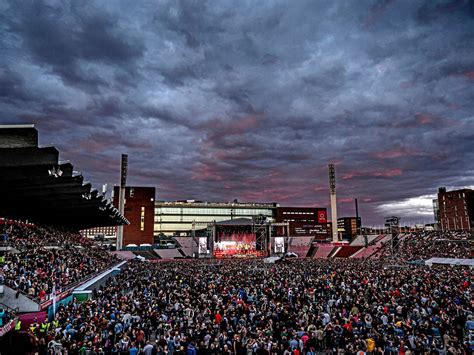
[[347, 251], [323, 251], [311, 251]]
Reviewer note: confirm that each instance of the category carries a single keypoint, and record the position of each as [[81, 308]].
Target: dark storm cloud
[[71, 41], [251, 100], [12, 86]]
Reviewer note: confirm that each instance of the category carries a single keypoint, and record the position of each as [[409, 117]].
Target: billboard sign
[[322, 218]]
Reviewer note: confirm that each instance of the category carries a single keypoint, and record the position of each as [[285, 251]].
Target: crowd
[[299, 306], [425, 245], [46, 260], [6, 314]]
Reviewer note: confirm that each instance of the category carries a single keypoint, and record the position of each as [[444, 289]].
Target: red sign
[[321, 216], [7, 327]]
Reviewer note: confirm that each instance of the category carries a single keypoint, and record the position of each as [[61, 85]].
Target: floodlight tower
[[123, 184], [332, 193]]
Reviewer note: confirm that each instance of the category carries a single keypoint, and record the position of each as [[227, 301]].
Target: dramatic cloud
[[422, 206], [217, 100]]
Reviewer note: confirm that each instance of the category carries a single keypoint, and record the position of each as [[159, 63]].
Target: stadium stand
[[42, 261], [426, 245], [323, 251], [185, 244], [365, 252], [124, 254], [300, 245], [347, 251], [36, 186], [147, 254], [371, 249], [168, 254], [360, 239], [48, 261]]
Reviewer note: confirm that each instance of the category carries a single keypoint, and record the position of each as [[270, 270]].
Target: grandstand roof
[[35, 185]]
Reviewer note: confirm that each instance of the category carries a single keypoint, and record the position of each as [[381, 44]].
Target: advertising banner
[[322, 218]]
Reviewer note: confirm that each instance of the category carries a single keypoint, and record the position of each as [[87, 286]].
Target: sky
[[250, 100]]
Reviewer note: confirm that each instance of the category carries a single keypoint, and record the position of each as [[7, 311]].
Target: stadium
[[238, 286]]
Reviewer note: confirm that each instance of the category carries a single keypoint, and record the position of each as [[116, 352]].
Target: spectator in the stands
[[47, 260]]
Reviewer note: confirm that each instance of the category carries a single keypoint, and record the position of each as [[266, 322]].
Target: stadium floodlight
[[55, 172]]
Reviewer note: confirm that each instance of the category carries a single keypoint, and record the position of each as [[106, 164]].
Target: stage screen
[[202, 245], [279, 243], [235, 244]]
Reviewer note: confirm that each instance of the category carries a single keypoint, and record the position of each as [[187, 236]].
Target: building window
[[132, 192], [142, 219]]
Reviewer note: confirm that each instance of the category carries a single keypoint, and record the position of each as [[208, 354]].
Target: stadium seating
[[168, 253], [323, 251], [365, 252], [45, 260], [426, 245], [347, 250], [186, 245], [371, 249], [147, 254], [360, 239], [299, 245], [124, 254]]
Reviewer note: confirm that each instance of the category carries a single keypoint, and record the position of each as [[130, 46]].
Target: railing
[[73, 285], [8, 323], [12, 310], [43, 301]]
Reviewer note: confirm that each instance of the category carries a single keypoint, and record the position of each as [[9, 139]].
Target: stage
[[242, 238]]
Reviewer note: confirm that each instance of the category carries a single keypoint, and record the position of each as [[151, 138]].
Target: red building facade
[[456, 209], [304, 221], [140, 212]]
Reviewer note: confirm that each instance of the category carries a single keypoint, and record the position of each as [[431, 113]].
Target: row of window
[[455, 222], [297, 212], [163, 227], [463, 195], [213, 211], [190, 219]]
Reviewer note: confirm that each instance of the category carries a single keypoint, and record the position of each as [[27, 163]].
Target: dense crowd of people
[[46, 260], [296, 306], [430, 244], [299, 306]]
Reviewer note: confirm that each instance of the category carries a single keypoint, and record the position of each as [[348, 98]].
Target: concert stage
[[243, 238], [236, 238]]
